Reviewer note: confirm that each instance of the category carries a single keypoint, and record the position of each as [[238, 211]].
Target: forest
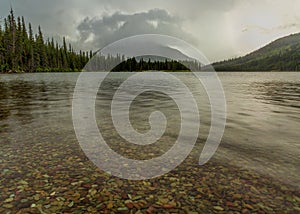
[[22, 50], [282, 54], [140, 63], [132, 64]]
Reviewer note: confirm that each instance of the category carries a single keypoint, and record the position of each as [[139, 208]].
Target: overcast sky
[[221, 29]]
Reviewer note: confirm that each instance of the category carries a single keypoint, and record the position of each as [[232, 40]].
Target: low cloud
[[272, 29], [99, 32]]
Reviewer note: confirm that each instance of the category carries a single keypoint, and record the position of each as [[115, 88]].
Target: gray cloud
[[98, 32], [220, 29], [272, 29]]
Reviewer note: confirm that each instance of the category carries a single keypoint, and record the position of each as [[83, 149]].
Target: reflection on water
[[28, 98], [263, 120], [43, 169], [278, 93], [263, 123]]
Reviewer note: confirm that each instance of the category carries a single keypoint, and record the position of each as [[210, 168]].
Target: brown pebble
[[168, 206], [229, 204], [249, 206], [129, 205], [151, 210], [245, 211], [124, 196]]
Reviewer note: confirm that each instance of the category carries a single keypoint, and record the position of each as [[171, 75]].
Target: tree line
[[23, 51], [281, 55], [134, 64], [280, 61]]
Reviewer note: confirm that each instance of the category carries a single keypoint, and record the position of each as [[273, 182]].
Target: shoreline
[[40, 72], [43, 169], [77, 186]]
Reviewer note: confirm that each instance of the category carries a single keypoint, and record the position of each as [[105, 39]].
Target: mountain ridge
[[282, 54]]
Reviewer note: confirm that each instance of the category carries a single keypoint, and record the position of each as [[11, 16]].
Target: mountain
[[280, 55], [176, 54], [166, 51]]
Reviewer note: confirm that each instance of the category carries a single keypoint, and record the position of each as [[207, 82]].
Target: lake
[[43, 168]]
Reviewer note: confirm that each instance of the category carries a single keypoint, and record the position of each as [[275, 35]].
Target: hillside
[[281, 55]]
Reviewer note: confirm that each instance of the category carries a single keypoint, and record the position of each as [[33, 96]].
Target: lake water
[[262, 132]]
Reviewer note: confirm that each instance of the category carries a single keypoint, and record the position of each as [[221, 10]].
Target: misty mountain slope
[[282, 55]]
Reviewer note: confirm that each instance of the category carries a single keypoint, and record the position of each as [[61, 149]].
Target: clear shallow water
[[262, 131]]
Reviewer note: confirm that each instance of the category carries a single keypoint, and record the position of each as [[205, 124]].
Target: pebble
[[122, 208], [218, 208], [23, 182], [68, 187], [36, 197], [230, 204], [24, 200], [248, 206], [8, 200], [129, 205], [8, 206], [47, 206], [110, 205], [71, 204]]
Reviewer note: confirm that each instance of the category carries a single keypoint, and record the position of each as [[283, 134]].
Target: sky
[[220, 29]]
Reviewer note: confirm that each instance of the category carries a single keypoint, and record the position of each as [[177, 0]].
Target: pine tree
[[21, 50], [1, 49], [12, 40], [41, 49], [31, 62]]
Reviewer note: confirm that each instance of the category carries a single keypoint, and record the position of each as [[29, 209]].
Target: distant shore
[[76, 71]]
